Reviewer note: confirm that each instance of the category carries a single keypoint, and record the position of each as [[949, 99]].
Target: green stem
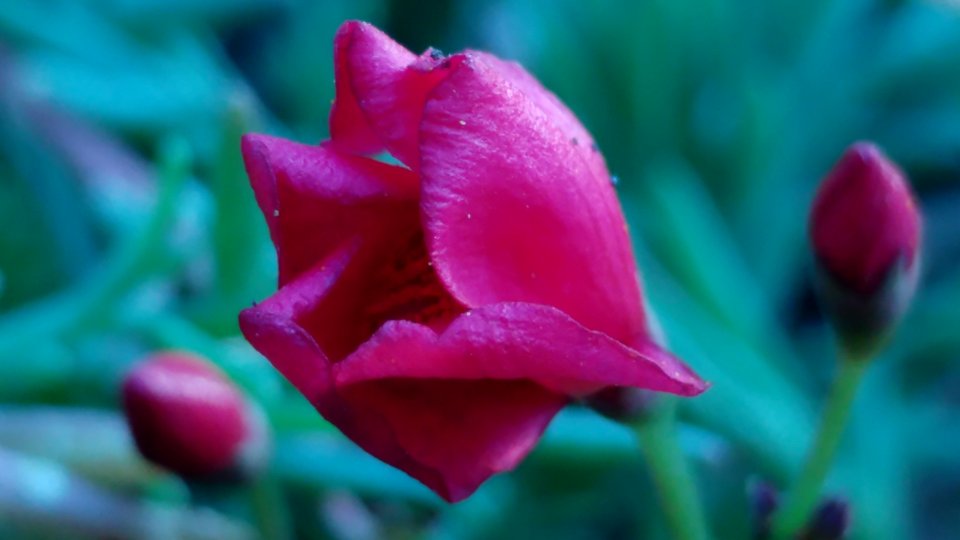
[[675, 485], [87, 304], [803, 496], [269, 509]]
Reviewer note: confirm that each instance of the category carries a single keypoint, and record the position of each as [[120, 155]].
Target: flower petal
[[449, 434], [386, 83], [561, 116], [349, 129], [512, 208], [369, 264], [314, 198], [274, 326], [473, 400], [517, 341]]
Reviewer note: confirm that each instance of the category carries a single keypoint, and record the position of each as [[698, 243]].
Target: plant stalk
[[675, 484], [805, 493]]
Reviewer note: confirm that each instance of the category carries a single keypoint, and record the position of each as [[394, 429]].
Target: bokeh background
[[127, 226]]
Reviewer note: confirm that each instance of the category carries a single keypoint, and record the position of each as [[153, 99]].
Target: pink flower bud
[[186, 416], [865, 228]]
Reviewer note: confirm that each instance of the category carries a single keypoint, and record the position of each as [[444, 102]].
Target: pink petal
[[514, 207], [386, 83], [314, 198], [451, 435], [517, 341], [275, 329], [473, 400], [349, 129], [369, 261], [562, 117]]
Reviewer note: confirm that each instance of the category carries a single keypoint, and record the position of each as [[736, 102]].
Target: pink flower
[[865, 220], [442, 312], [187, 417], [866, 234]]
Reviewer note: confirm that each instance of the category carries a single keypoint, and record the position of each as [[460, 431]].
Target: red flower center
[[409, 289], [382, 282]]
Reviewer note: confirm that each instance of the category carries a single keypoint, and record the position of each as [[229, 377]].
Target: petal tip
[[453, 494], [249, 321], [253, 146], [865, 151], [349, 28], [695, 387], [256, 151], [689, 384]]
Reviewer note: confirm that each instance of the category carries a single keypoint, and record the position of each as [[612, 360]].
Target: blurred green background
[[127, 225]]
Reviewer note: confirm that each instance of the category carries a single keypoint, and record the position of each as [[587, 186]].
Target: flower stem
[[269, 509], [675, 485], [804, 494], [89, 302]]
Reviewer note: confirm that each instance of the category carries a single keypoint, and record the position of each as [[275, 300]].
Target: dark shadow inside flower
[[408, 289], [353, 224], [382, 283]]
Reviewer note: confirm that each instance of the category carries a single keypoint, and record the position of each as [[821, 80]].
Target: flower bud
[[764, 501], [865, 230], [187, 417], [830, 521]]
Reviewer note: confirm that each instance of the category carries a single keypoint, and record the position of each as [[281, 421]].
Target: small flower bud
[[865, 229], [764, 501], [187, 417], [830, 521]]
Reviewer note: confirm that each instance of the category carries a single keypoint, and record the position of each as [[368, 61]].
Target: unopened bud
[[764, 501], [830, 521], [865, 229], [187, 417]]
